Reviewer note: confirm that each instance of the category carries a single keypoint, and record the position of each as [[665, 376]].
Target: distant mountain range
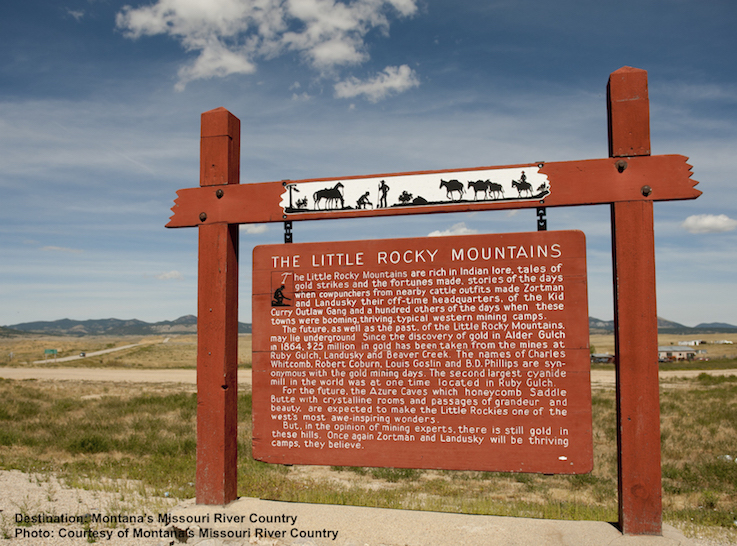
[[111, 327], [188, 325], [667, 326]]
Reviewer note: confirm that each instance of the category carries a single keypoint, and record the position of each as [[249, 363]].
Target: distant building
[[692, 343], [671, 353], [602, 358]]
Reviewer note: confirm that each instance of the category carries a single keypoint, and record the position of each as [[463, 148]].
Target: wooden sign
[[417, 190], [466, 353], [630, 180], [565, 183]]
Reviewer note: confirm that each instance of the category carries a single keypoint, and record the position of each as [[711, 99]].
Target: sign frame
[[630, 180]]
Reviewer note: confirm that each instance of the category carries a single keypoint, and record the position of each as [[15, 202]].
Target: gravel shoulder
[[68, 515], [123, 515]]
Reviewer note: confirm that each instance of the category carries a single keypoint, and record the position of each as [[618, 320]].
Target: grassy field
[[89, 433], [92, 432], [604, 343], [177, 352]]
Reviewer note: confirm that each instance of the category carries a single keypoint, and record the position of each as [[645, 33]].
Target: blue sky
[[100, 104]]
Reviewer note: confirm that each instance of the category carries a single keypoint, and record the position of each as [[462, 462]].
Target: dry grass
[[27, 349], [177, 352], [146, 432], [699, 461], [93, 431], [604, 343]]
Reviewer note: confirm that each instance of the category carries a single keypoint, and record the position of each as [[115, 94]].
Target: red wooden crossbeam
[[588, 182]]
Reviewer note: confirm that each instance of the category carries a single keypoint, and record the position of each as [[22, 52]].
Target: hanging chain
[[542, 221]]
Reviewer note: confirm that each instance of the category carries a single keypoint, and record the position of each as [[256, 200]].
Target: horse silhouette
[[479, 186], [523, 186], [491, 190], [453, 186], [496, 191], [331, 196]]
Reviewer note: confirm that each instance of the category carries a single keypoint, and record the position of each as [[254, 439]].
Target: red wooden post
[[217, 318], [635, 317]]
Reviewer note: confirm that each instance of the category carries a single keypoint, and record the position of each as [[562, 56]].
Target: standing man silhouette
[[383, 190]]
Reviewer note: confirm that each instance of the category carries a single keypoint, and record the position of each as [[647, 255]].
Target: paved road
[[599, 378], [98, 353]]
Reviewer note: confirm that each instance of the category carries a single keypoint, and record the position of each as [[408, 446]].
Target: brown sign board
[[466, 353]]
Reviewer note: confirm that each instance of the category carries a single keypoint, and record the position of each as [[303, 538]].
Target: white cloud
[[215, 60], [61, 249], [230, 35], [709, 223], [254, 229], [77, 14], [394, 79], [697, 92], [170, 275], [456, 229]]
